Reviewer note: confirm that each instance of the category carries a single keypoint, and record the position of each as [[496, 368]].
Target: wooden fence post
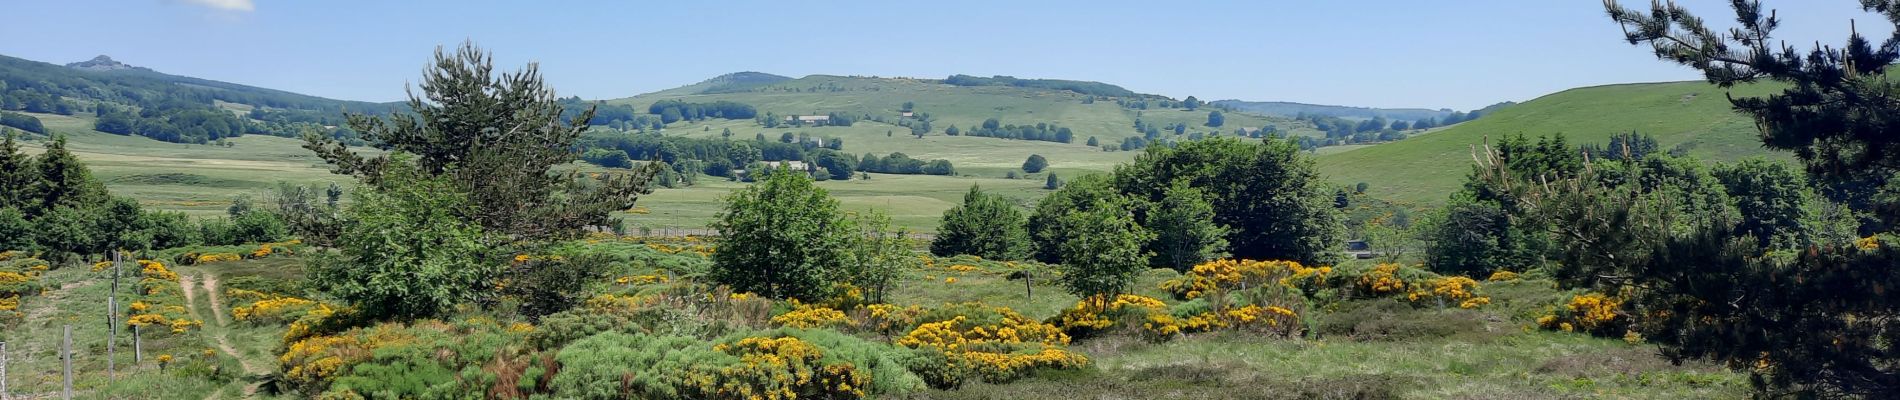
[[1029, 285], [138, 353], [3, 372], [66, 359], [112, 333]]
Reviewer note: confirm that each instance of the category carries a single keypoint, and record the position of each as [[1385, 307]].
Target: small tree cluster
[[985, 225]]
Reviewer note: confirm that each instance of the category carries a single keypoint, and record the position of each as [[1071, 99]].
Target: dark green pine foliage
[[16, 233], [1823, 322], [63, 180], [985, 225], [497, 138], [17, 175]]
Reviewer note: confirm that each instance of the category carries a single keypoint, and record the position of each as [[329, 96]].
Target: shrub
[[1095, 315], [547, 285], [407, 250], [964, 342], [1229, 274], [807, 316], [20, 277], [781, 364], [277, 310], [1594, 313], [423, 359], [1446, 291]]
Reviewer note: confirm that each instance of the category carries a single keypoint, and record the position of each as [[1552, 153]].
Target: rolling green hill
[[202, 178], [948, 105], [1425, 169], [1420, 171], [1290, 109]]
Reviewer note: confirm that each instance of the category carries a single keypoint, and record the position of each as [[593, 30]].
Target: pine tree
[[1818, 323], [17, 175], [497, 137], [64, 181]]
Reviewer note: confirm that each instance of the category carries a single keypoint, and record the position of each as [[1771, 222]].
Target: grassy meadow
[[1423, 170], [201, 180], [1351, 349]]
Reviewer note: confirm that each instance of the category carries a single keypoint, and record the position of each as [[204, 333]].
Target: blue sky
[[1399, 53]]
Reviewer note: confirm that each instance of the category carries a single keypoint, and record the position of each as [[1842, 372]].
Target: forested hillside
[[137, 101]]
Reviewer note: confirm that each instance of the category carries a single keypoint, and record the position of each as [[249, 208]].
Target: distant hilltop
[[103, 63]]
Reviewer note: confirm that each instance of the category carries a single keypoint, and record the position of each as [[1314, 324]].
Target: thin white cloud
[[226, 5]]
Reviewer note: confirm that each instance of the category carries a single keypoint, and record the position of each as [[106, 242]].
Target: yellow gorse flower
[[1382, 279], [1589, 312], [810, 316], [1230, 274]]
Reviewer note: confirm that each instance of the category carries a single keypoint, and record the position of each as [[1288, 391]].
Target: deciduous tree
[[985, 225], [781, 237]]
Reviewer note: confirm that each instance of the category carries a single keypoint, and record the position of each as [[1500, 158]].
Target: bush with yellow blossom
[[1095, 315], [1230, 274], [275, 310], [1382, 280], [807, 316], [20, 277], [1449, 291], [782, 364], [1595, 313], [160, 306], [964, 342]]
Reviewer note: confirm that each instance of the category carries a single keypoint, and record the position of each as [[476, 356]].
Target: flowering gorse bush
[[1446, 291], [964, 342], [807, 316], [276, 310], [1382, 280], [1230, 274], [1095, 315], [161, 301], [1594, 313], [19, 277]]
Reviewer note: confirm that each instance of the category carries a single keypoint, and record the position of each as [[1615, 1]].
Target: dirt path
[[211, 292], [186, 283], [209, 283], [224, 345]]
